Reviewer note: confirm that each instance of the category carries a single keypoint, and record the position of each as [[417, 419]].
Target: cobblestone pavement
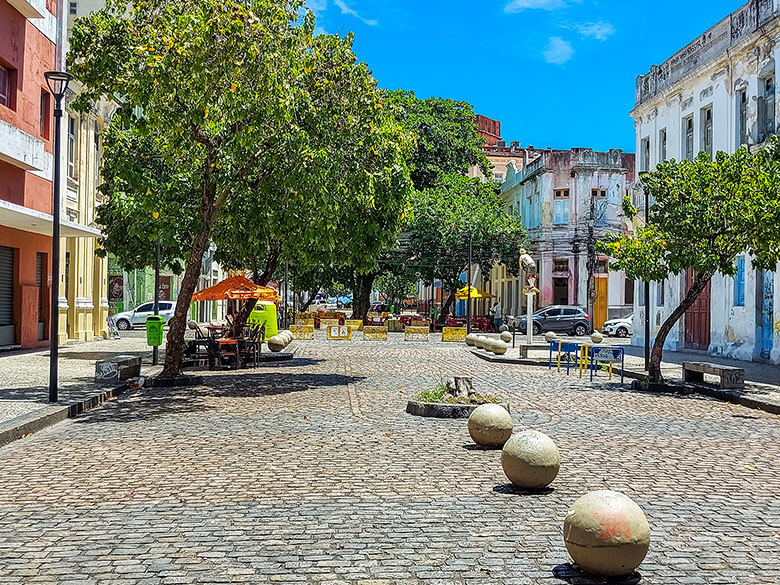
[[311, 472]]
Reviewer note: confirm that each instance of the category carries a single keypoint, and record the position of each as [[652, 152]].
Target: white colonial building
[[716, 94]]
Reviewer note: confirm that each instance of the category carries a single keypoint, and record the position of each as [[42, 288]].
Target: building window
[[561, 266], [628, 293], [767, 113], [74, 7], [645, 154], [561, 207], [45, 116], [660, 293], [706, 130], [598, 193], [97, 153], [662, 145], [742, 105], [72, 130], [602, 267], [688, 137], [5, 87], [640, 293], [739, 283]]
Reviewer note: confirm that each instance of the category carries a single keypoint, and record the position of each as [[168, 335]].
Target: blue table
[[567, 347]]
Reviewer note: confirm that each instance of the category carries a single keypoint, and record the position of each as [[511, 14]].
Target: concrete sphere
[[482, 342], [597, 337], [471, 340], [276, 344], [499, 347], [490, 425], [506, 337], [531, 460], [490, 345], [550, 336], [606, 533]]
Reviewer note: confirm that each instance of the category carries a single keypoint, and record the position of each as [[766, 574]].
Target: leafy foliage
[[705, 213]]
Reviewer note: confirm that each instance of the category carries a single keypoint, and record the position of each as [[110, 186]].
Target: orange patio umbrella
[[237, 288]]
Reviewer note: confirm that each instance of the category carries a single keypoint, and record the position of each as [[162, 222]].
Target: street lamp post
[[155, 349], [468, 288], [58, 85], [647, 294]]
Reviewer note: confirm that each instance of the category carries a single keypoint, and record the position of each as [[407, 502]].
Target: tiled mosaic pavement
[[311, 472]]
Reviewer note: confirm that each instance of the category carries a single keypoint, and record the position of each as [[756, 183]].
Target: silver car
[[137, 318]]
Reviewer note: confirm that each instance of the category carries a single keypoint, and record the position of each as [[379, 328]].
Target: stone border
[[441, 410]]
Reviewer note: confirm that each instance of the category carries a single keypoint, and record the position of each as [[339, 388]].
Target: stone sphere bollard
[[490, 345], [482, 342], [550, 336], [606, 533], [597, 337], [490, 425], [499, 347], [471, 340], [506, 337], [276, 344], [531, 460]]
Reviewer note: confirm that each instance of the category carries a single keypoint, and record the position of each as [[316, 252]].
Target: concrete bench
[[730, 378], [116, 369]]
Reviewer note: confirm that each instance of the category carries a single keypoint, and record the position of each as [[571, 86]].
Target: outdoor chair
[[252, 345]]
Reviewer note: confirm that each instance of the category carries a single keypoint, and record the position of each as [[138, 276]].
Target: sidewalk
[[24, 382]]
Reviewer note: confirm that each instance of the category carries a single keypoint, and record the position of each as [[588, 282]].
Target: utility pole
[[592, 262], [155, 349], [647, 294], [468, 284]]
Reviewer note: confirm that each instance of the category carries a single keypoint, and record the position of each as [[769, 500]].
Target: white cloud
[[520, 5], [558, 51], [597, 30], [347, 10], [317, 5], [318, 30]]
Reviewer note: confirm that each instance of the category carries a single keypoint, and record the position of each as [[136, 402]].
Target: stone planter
[[442, 410]]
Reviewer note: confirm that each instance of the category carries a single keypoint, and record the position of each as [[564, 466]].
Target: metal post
[[468, 301], [54, 329], [155, 349], [286, 292], [529, 319], [647, 294]]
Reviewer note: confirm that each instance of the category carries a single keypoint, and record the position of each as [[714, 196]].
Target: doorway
[[600, 304], [765, 301], [697, 318], [560, 291]]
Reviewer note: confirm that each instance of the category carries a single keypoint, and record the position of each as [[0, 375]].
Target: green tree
[[442, 221], [232, 91], [705, 213]]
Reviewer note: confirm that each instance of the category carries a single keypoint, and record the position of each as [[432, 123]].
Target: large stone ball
[[499, 347], [471, 339], [597, 337], [550, 336], [482, 342], [531, 460], [276, 344], [606, 533], [506, 337], [490, 425]]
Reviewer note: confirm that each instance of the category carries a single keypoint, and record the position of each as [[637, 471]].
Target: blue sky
[[557, 73]]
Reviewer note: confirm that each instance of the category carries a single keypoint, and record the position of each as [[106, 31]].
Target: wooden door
[[600, 305], [697, 318]]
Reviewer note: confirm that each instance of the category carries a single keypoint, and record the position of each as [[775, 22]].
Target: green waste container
[[154, 330]]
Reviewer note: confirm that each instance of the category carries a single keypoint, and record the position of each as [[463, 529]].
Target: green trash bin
[[154, 330]]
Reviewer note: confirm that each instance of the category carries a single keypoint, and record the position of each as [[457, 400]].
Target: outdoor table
[[563, 347], [610, 355]]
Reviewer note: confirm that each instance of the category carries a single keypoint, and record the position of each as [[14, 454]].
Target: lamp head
[[58, 83]]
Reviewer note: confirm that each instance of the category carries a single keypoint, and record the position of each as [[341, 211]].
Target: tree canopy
[[704, 214]]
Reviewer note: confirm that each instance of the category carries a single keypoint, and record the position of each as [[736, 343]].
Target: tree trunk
[[699, 284], [361, 295], [312, 293], [271, 264], [445, 310]]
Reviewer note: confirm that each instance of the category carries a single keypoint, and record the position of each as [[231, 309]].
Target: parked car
[[623, 327], [137, 318], [558, 319]]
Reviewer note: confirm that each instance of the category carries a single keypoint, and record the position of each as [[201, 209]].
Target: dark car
[[559, 319]]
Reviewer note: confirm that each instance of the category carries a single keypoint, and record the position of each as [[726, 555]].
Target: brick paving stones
[[311, 472]]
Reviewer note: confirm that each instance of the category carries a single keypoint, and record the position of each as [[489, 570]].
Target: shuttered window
[[739, 283], [6, 286], [39, 283]]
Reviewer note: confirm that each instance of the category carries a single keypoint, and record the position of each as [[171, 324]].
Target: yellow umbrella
[[463, 294]]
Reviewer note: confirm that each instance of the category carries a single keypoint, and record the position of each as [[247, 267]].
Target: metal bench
[[730, 378]]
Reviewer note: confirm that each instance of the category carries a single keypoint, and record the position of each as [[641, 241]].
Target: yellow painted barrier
[[339, 333], [453, 334], [326, 323], [355, 324], [302, 331], [416, 334], [304, 321], [374, 333]]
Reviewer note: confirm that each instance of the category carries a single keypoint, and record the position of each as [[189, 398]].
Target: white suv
[[137, 318], [623, 327]]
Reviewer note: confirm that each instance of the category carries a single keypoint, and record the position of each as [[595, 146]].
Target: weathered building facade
[[568, 199], [716, 94]]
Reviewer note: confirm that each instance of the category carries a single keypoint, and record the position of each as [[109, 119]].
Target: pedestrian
[[498, 316]]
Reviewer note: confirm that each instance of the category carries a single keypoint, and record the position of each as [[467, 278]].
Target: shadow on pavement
[[100, 355], [474, 447], [571, 573], [513, 490]]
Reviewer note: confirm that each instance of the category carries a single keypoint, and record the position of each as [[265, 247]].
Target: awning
[[463, 294], [37, 222], [236, 288]]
